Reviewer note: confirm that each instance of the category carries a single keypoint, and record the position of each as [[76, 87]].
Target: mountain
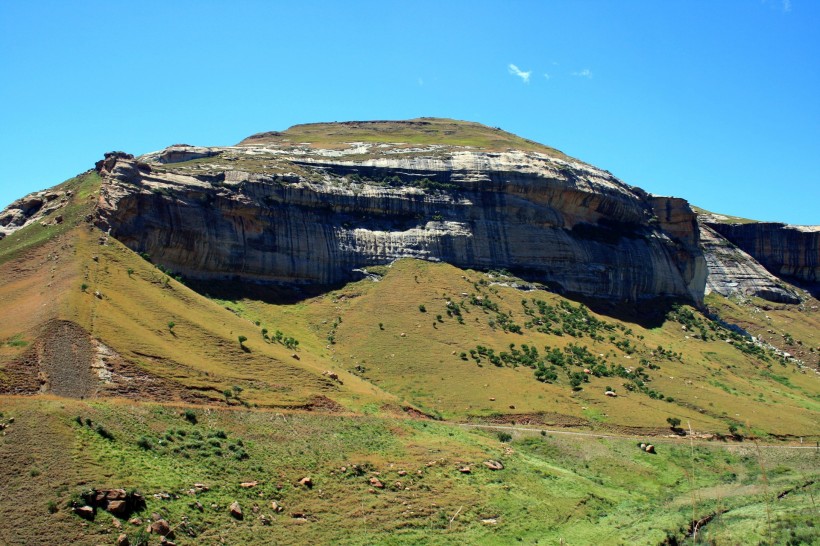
[[419, 331]]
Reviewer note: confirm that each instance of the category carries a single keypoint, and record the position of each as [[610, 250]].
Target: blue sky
[[716, 102]]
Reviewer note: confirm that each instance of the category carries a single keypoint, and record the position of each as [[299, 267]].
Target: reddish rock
[[85, 512], [122, 540], [117, 507], [464, 470], [494, 465], [115, 494], [375, 482], [159, 527], [306, 481], [236, 510], [248, 485]]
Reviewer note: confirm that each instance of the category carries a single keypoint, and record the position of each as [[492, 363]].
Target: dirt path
[[655, 439]]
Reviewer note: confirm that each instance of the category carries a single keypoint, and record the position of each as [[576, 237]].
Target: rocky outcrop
[[181, 152], [734, 272], [312, 218], [791, 252], [31, 208]]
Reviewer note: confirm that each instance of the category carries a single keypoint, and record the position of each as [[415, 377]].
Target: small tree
[[242, 340], [171, 325], [422, 308], [674, 422]]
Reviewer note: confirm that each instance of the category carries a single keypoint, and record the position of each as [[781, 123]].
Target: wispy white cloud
[[547, 76], [585, 73], [420, 81], [787, 5], [515, 71]]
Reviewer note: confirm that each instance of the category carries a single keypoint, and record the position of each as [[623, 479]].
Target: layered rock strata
[[787, 251], [734, 272], [316, 217]]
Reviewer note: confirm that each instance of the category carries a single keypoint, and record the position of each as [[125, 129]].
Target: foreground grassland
[[553, 487]]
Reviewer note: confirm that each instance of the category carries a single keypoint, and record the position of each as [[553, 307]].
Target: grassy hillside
[[420, 131], [166, 340], [419, 332]]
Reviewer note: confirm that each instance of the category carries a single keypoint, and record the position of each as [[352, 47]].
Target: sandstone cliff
[[791, 252], [290, 207], [732, 271]]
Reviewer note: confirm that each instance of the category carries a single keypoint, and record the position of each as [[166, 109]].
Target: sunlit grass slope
[[412, 334], [156, 324]]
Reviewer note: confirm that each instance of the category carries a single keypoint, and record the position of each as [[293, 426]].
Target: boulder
[[117, 507], [375, 482], [465, 470], [160, 527], [306, 481], [236, 510], [85, 512], [122, 540], [494, 465]]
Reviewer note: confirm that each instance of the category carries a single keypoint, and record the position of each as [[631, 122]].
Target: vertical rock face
[[307, 216], [732, 271], [791, 252]]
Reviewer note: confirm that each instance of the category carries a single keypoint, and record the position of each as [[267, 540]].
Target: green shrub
[[190, 416], [504, 437], [104, 432]]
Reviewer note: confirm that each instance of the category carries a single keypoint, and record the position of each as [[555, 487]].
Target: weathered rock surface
[[312, 215], [732, 271], [35, 207], [787, 251]]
